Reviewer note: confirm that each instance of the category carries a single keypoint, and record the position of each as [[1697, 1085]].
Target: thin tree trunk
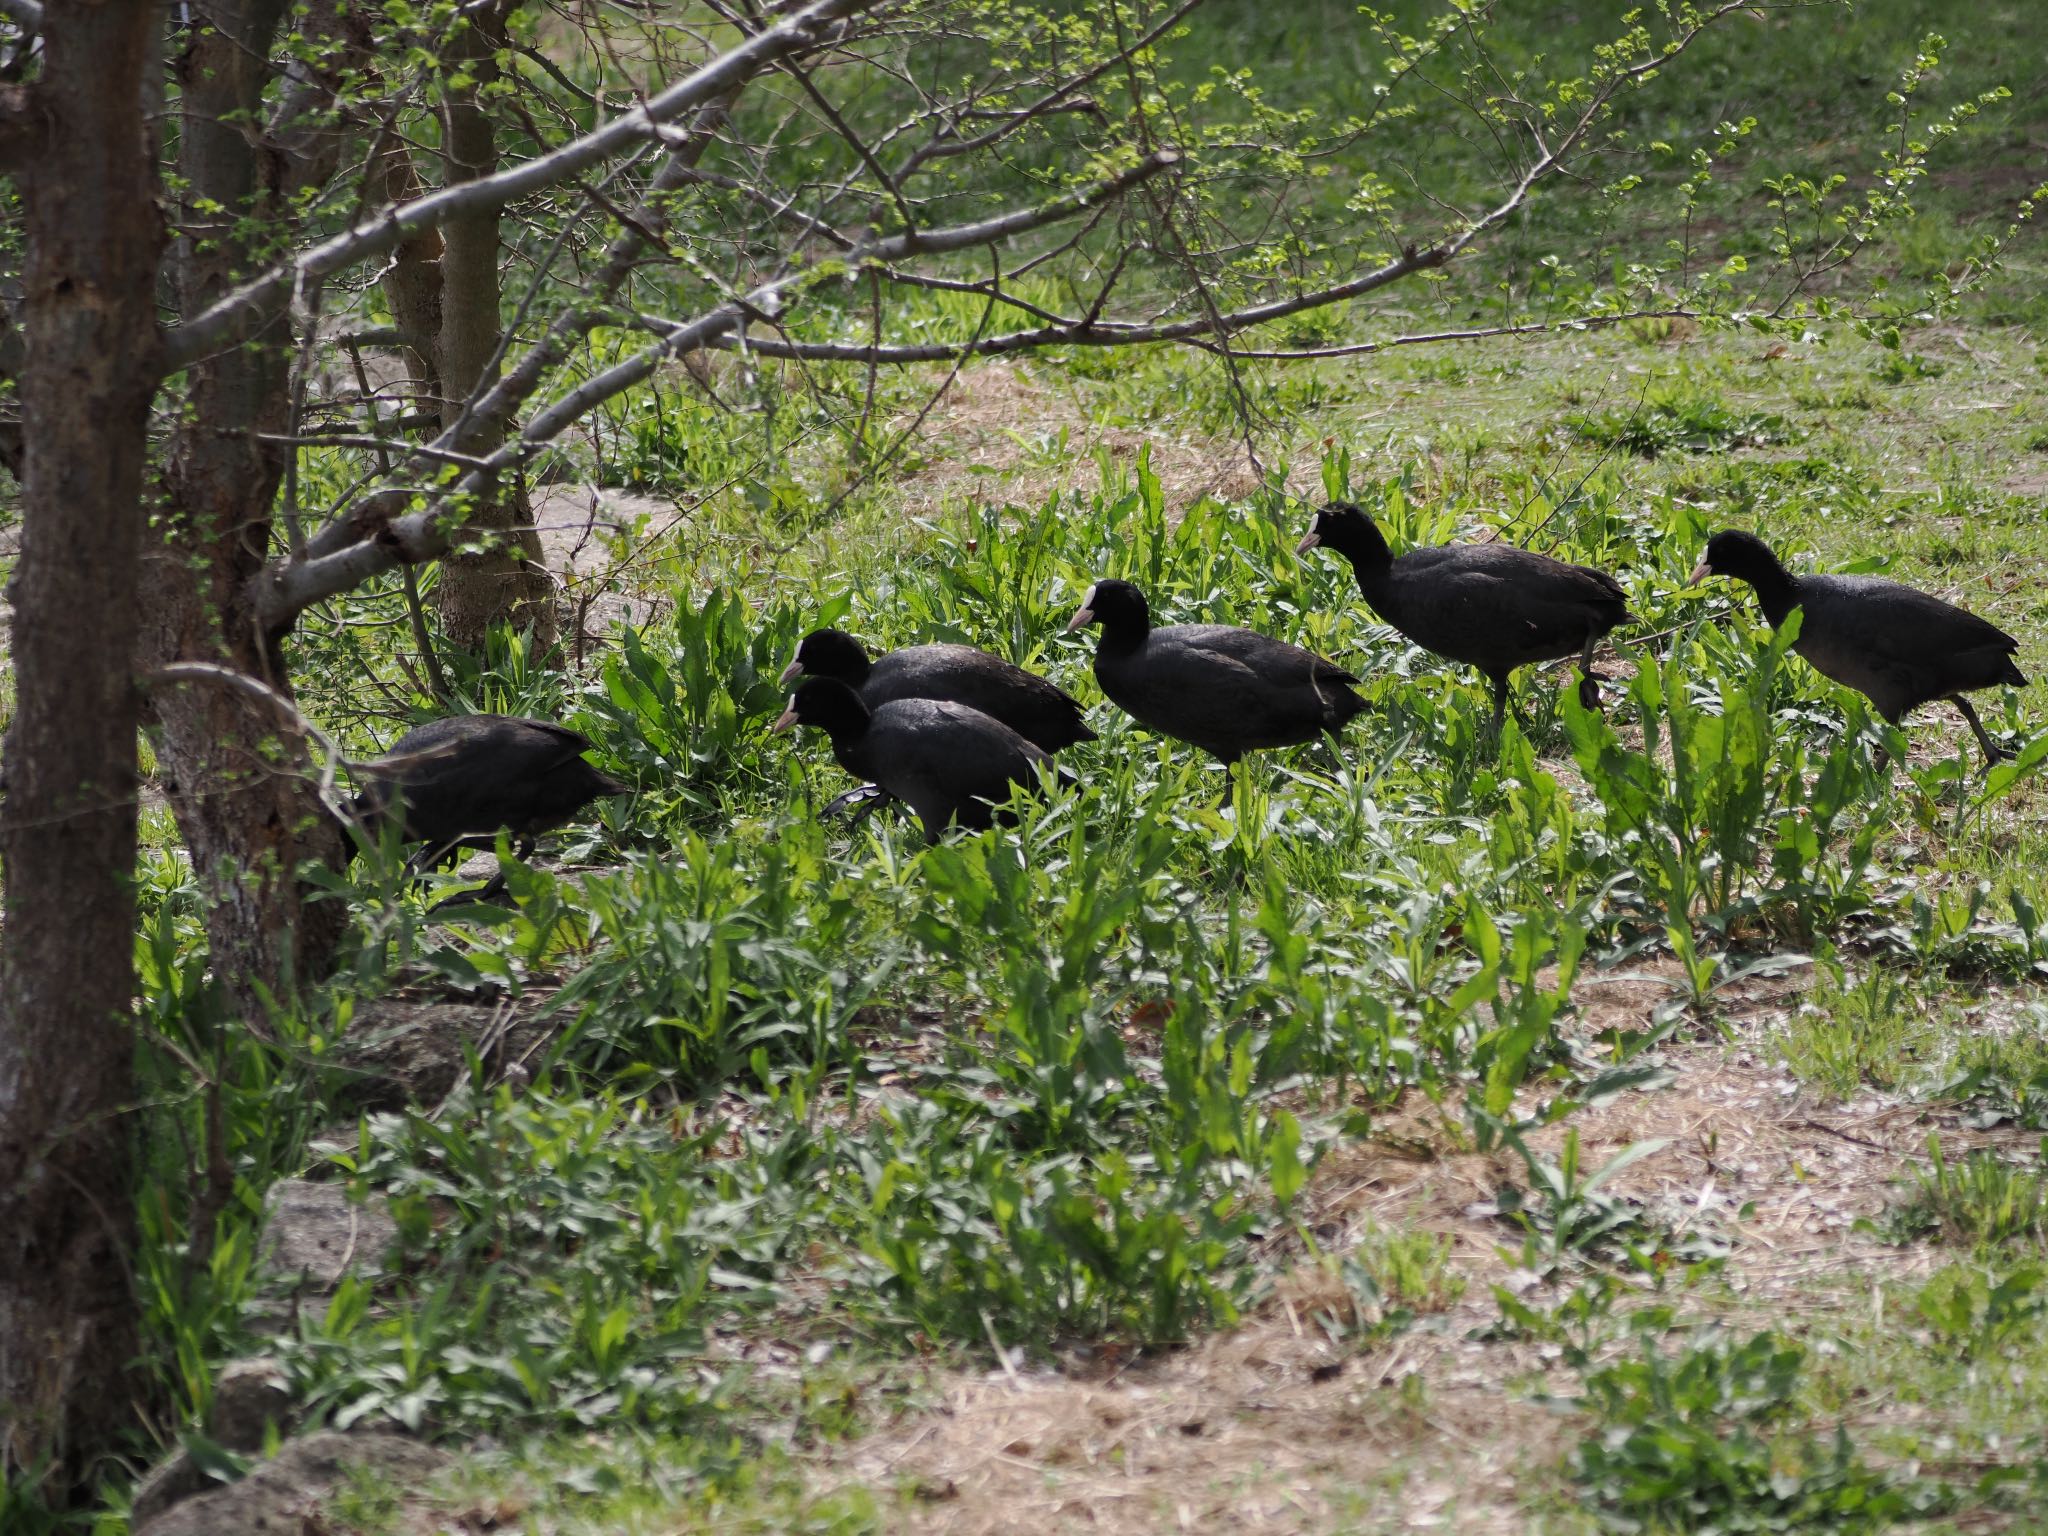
[[244, 800], [67, 827], [412, 283], [509, 582], [11, 359]]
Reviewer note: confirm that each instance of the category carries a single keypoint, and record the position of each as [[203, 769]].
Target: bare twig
[[415, 610], [229, 319], [373, 539], [278, 703]]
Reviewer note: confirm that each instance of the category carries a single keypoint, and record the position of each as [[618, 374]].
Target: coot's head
[[1117, 606], [1350, 531], [1741, 555], [826, 703], [829, 653]]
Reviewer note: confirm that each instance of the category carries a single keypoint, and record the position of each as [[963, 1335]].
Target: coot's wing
[[1273, 662], [1033, 706], [941, 758], [1890, 616], [1499, 607], [477, 773], [465, 743], [561, 742], [1231, 690], [1550, 579], [1896, 644]]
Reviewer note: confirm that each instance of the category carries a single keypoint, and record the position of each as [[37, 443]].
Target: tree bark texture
[[412, 283], [244, 798], [67, 826], [509, 582]]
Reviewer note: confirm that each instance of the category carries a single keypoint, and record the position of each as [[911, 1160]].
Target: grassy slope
[[831, 1117]]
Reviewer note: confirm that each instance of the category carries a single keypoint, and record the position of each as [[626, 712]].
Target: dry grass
[[1270, 1427], [983, 437], [1281, 1424]]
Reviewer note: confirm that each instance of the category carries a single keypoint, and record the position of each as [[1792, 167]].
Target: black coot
[[458, 781], [1226, 690], [1492, 606], [1029, 705], [947, 762], [1898, 647]]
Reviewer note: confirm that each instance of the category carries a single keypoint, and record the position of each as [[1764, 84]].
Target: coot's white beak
[[1085, 614], [786, 719], [1700, 573], [794, 669], [1308, 542]]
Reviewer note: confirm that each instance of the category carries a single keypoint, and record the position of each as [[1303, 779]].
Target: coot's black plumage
[[1898, 647], [1029, 705], [1226, 690], [1493, 606], [946, 761], [463, 778]]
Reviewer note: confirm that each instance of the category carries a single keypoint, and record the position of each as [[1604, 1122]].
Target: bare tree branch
[[1471, 333], [229, 320], [503, 396], [1083, 331], [278, 703], [1058, 100], [373, 539], [1216, 326]]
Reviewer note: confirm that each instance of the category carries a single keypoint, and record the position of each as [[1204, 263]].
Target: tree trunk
[[67, 828], [11, 359], [239, 782], [508, 582], [412, 283]]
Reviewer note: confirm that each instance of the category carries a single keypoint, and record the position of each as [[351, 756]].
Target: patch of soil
[[1270, 1427], [580, 529], [986, 435], [289, 1493]]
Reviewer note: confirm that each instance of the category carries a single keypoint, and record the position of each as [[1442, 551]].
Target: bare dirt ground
[[996, 427]]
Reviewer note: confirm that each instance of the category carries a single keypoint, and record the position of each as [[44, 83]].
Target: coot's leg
[[429, 857], [868, 806], [1589, 680], [1500, 702], [1229, 783], [490, 890], [868, 797], [1992, 754]]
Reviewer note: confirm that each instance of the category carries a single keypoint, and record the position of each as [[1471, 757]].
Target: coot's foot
[[1589, 689], [869, 797], [488, 892]]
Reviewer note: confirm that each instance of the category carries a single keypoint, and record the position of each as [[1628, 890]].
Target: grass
[[1872, 1033], [1677, 421], [826, 1126], [1983, 1199], [1062, 1087]]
